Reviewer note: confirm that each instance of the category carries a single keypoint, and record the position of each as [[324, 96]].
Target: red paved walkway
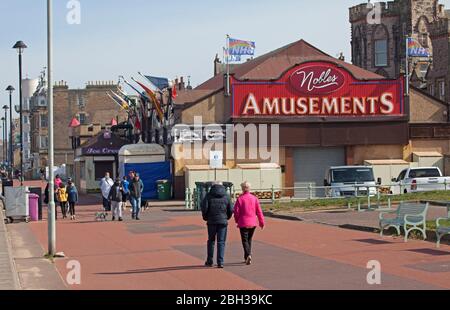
[[166, 251]]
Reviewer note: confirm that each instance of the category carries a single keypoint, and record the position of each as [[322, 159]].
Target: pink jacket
[[246, 210]]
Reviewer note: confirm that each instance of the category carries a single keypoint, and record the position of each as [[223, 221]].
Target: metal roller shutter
[[311, 165]]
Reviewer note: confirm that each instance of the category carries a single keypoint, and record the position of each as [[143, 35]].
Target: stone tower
[[379, 33]]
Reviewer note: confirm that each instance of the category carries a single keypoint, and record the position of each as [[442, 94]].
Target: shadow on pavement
[[167, 269], [431, 252], [374, 241]]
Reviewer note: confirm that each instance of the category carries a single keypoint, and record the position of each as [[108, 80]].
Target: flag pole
[[228, 65], [407, 66]]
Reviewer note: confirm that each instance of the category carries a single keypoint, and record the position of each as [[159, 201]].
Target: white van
[[348, 181]]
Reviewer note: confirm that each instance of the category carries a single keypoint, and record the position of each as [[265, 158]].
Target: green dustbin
[[164, 190]]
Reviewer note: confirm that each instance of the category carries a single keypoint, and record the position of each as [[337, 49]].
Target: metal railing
[[361, 195]]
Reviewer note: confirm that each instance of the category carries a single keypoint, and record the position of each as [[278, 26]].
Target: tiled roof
[[271, 66]]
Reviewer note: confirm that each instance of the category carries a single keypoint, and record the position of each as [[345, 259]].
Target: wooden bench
[[410, 216], [441, 231]]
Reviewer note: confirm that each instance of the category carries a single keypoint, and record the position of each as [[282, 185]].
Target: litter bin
[[6, 183], [164, 190], [38, 191], [33, 204]]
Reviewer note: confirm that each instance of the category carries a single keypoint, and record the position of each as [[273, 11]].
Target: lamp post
[[11, 89], [51, 204], [6, 108], [4, 135], [20, 47]]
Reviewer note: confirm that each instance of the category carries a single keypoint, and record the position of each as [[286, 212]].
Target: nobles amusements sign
[[319, 89]]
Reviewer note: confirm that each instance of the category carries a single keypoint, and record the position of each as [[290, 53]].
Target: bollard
[[310, 191], [369, 206]]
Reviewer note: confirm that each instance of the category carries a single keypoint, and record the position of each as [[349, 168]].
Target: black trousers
[[72, 208], [63, 209], [247, 237]]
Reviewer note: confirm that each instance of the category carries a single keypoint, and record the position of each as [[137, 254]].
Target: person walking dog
[[105, 185], [247, 211], [217, 211]]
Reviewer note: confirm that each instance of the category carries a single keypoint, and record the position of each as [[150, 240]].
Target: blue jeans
[[218, 232], [136, 205]]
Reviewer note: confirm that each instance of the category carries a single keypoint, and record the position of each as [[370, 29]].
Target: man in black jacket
[[217, 211]]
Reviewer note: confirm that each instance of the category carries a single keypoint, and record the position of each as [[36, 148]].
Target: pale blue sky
[[163, 38]]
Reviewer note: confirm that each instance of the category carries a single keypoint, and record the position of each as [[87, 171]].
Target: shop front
[[95, 158], [326, 118]]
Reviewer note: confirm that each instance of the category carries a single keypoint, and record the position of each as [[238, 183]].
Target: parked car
[[349, 181], [424, 179], [189, 136]]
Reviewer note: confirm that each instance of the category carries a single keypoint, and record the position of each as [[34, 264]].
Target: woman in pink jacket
[[247, 211]]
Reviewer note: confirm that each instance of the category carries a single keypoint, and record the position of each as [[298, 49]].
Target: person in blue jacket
[[126, 191], [72, 193]]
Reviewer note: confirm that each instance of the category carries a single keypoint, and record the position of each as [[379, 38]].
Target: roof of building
[[271, 66]]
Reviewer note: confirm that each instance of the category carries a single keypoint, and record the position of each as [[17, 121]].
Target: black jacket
[[114, 194], [216, 207]]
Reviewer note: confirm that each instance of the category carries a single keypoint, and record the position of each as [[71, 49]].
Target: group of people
[[65, 195], [116, 193], [217, 210]]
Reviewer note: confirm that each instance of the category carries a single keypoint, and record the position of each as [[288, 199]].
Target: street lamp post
[[6, 108], [20, 47], [11, 89], [4, 135], [51, 205]]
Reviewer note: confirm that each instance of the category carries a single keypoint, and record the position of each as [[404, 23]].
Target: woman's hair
[[246, 186], [61, 185]]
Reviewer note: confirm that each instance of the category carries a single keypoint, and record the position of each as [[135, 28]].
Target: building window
[[43, 121], [81, 102], [432, 90], [381, 58], [82, 118], [42, 102], [26, 137], [441, 85], [43, 142], [25, 119]]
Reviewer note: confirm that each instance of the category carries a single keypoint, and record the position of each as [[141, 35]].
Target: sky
[[162, 38]]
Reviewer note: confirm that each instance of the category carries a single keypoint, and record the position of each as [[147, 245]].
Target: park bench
[[410, 216], [441, 231]]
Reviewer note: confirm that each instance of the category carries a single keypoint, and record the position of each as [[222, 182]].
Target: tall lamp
[[11, 89], [20, 47]]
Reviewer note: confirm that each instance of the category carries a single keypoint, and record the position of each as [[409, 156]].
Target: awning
[[104, 158]]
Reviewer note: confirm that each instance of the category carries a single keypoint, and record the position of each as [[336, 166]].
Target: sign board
[[216, 159], [317, 89]]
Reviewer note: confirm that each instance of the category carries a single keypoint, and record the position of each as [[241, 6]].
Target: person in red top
[[248, 214]]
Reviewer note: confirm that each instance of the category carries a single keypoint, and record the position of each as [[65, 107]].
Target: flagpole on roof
[[407, 66]]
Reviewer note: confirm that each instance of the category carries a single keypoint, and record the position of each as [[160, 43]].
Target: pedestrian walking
[[136, 190], [116, 198], [72, 193], [62, 198], [247, 211], [217, 211], [126, 191], [105, 186]]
